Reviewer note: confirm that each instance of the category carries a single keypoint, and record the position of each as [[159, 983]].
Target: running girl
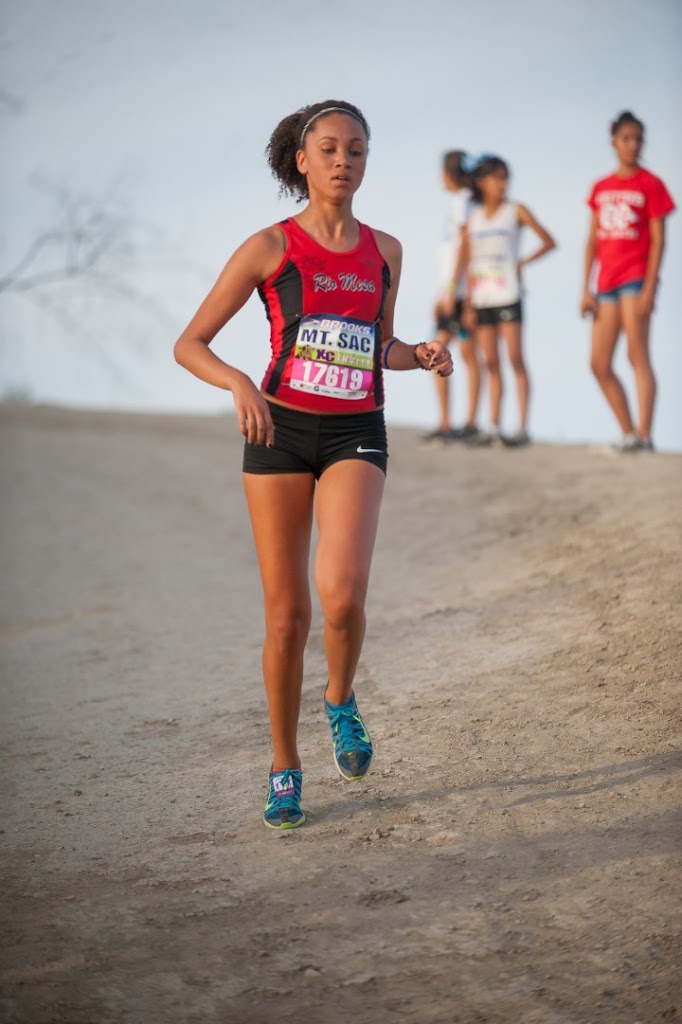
[[493, 303], [314, 430], [450, 301], [626, 238]]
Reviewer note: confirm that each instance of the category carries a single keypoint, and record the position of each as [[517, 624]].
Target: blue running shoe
[[352, 745], [283, 806]]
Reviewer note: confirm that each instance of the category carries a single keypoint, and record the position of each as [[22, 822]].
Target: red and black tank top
[[325, 311]]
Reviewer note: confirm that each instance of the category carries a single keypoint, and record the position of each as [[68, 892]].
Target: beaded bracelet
[[417, 361]]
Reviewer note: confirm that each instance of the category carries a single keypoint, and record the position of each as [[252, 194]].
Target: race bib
[[494, 283], [334, 356]]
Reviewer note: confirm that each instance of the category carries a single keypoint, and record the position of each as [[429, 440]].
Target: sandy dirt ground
[[513, 856]]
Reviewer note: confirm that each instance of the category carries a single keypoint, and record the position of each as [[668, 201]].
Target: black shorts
[[494, 315], [453, 324], [308, 442]]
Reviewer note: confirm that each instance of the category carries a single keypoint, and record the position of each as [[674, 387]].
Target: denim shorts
[[308, 442], [631, 288]]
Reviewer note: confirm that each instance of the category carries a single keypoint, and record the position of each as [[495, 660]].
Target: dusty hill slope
[[511, 858]]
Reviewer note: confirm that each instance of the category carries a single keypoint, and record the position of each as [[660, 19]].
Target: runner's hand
[[469, 320], [255, 422], [434, 356], [444, 307], [588, 305]]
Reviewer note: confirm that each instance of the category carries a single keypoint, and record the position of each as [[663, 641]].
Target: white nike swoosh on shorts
[[362, 450]]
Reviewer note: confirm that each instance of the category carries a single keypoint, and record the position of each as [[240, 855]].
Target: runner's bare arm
[[588, 303], [647, 296], [447, 302], [462, 261], [527, 219], [469, 318], [430, 355], [254, 261], [250, 264]]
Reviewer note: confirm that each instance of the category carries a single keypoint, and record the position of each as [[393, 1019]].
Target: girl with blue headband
[[493, 307]]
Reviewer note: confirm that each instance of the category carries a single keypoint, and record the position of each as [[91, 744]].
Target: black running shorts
[[494, 315], [308, 442], [452, 324]]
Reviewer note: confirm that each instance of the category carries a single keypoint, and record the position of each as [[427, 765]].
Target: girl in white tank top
[[493, 265], [493, 300]]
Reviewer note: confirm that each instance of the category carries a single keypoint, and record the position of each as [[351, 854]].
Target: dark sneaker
[[352, 745], [481, 439], [283, 806], [517, 440], [465, 432], [627, 446], [439, 435]]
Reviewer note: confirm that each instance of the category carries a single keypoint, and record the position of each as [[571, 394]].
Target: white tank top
[[460, 207], [494, 252]]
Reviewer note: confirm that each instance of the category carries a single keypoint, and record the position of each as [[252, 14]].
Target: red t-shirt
[[624, 207]]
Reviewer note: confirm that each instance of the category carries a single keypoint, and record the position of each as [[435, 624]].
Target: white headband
[[330, 110]]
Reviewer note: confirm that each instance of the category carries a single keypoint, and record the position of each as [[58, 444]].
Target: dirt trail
[[513, 857]]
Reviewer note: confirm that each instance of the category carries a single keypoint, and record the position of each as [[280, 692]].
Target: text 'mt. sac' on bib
[[334, 356]]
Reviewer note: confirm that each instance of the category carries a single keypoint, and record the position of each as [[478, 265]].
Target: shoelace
[[348, 729], [290, 802]]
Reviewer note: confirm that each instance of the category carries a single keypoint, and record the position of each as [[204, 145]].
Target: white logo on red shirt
[[347, 282], [616, 218]]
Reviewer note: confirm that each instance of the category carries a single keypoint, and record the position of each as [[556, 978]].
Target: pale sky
[[168, 106]]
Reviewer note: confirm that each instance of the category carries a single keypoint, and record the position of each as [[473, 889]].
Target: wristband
[[384, 357]]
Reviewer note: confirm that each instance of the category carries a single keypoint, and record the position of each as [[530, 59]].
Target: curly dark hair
[[452, 165], [488, 165], [286, 140], [627, 117]]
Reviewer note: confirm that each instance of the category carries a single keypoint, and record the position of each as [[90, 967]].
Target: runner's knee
[[288, 625], [601, 368], [638, 357], [342, 604]]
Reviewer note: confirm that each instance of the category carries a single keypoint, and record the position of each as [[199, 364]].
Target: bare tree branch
[[75, 328], [86, 241], [84, 271]]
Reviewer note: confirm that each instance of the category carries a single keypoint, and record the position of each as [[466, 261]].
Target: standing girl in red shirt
[[626, 238], [314, 429]]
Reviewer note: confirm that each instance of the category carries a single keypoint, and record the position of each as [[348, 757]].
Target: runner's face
[[334, 156], [628, 143], [494, 186]]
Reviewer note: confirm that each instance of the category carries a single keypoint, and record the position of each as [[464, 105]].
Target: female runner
[[314, 430]]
